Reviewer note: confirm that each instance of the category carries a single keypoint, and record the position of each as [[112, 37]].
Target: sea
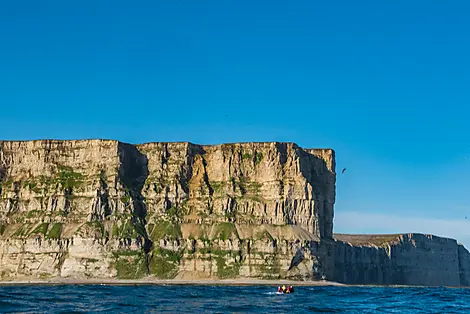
[[230, 299]]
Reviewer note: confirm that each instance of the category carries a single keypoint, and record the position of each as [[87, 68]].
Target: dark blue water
[[223, 299]]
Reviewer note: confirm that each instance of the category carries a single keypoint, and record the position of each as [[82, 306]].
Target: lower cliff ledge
[[179, 251], [228, 251]]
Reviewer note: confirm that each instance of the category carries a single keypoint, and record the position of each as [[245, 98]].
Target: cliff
[[106, 209], [403, 259], [98, 208]]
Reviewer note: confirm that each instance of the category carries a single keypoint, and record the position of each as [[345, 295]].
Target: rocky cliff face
[[101, 209], [404, 259], [98, 208]]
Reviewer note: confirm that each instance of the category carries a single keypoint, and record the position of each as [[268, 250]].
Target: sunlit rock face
[[96, 208], [106, 209]]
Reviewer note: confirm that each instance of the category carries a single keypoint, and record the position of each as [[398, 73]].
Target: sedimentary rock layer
[[97, 208], [101, 209]]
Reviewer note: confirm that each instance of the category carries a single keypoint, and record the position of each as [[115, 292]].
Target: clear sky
[[384, 84]]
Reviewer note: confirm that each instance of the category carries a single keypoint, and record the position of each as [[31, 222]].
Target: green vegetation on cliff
[[32, 185], [65, 178], [164, 263], [258, 157], [162, 228], [264, 234], [41, 229], [227, 264], [55, 231], [130, 264], [22, 231], [68, 178], [225, 231], [271, 268]]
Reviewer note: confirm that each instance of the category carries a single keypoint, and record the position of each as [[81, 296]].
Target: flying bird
[[344, 169]]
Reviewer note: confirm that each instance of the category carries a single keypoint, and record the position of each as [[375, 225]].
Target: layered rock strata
[[97, 208], [106, 209]]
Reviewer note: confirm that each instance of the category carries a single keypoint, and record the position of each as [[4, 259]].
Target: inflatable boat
[[284, 289]]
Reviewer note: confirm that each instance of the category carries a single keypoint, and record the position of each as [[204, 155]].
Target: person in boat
[[285, 289]]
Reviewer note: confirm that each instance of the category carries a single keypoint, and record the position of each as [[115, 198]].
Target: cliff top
[[382, 239], [51, 141]]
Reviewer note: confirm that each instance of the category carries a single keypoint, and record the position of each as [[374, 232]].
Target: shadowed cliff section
[[464, 265], [398, 259], [2, 177], [133, 173]]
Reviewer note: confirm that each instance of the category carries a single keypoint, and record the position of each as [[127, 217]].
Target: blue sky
[[384, 84]]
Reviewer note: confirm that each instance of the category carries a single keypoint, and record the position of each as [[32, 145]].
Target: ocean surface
[[226, 299]]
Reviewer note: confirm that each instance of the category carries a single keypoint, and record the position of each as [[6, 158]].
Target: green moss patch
[[68, 178], [225, 231], [218, 187], [97, 226], [247, 156], [164, 263], [130, 266], [271, 268], [140, 229], [247, 188], [253, 187], [41, 229], [124, 228], [93, 228], [45, 275], [258, 158], [32, 185], [204, 250], [33, 213], [227, 148], [6, 184], [162, 228], [226, 270], [177, 212], [126, 199], [55, 231], [23, 231]]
